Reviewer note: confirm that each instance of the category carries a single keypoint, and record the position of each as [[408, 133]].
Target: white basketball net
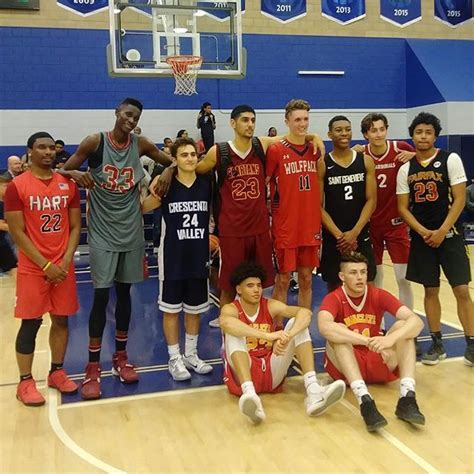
[[185, 71]]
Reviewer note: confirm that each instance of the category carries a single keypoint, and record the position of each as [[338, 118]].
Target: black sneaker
[[469, 356], [372, 417], [407, 409], [434, 354]]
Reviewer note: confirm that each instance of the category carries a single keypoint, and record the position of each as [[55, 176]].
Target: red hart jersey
[[243, 210], [363, 314], [386, 168], [45, 205], [295, 199]]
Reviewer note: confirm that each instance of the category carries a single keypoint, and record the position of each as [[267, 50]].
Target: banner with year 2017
[[283, 11], [400, 12], [453, 12], [84, 7], [343, 11]]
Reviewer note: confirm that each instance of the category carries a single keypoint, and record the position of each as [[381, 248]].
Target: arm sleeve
[[76, 199], [330, 304], [12, 199], [388, 302], [456, 171], [271, 162], [402, 180]]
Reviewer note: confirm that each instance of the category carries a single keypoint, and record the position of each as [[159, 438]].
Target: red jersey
[[243, 210], [386, 168], [363, 314], [45, 205], [294, 191]]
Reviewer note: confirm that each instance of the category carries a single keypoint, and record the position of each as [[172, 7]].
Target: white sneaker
[[214, 323], [178, 370], [318, 403], [250, 405], [193, 362]]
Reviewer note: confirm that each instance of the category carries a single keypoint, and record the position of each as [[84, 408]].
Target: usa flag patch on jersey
[[63, 186]]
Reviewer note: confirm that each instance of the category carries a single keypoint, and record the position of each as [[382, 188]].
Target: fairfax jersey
[[294, 191], [263, 322], [45, 205], [243, 209], [115, 219], [344, 190], [363, 315], [386, 168], [184, 247]]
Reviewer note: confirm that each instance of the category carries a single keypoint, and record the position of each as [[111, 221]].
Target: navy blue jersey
[[184, 247]]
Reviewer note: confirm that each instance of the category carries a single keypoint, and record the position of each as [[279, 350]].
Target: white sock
[[247, 387], [190, 344], [405, 292], [173, 351], [360, 389], [311, 383], [406, 384]]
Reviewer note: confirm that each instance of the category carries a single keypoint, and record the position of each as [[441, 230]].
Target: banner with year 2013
[[84, 7], [453, 12], [400, 12], [283, 11], [343, 11]]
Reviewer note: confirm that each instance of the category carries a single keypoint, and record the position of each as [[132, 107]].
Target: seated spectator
[[182, 134], [14, 167], [61, 154], [167, 142], [272, 132]]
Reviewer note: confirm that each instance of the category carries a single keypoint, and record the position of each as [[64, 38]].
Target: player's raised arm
[[148, 148], [208, 162], [312, 137]]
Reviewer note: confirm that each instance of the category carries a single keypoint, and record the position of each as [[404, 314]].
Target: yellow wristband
[[48, 264]]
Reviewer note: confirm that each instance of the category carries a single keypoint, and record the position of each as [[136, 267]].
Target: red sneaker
[[90, 389], [59, 380], [123, 369], [27, 393]]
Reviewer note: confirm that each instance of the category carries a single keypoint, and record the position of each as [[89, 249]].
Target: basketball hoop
[[185, 70]]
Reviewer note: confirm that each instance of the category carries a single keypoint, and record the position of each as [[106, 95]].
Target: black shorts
[[331, 258], [425, 262], [7, 258], [190, 296]]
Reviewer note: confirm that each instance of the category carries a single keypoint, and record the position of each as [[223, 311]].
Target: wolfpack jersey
[[386, 169], [115, 218], [45, 205], [294, 191], [363, 314], [184, 247], [243, 209]]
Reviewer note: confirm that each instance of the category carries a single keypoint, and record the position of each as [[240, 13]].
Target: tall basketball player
[[116, 238]]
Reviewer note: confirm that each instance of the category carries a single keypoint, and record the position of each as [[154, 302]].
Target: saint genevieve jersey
[[45, 205], [263, 322], [386, 168], [184, 247], [294, 191], [243, 209], [364, 314]]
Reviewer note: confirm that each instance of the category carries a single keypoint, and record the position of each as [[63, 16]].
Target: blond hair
[[296, 104]]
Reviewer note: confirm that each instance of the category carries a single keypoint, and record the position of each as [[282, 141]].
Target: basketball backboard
[[144, 33]]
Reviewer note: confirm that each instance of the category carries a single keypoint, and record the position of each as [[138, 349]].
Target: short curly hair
[[247, 270]]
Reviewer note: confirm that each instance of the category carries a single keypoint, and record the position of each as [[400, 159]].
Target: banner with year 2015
[[453, 12], [343, 11], [283, 11], [400, 12], [84, 7]]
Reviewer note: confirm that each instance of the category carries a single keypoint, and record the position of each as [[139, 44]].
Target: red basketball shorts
[[288, 260], [395, 239]]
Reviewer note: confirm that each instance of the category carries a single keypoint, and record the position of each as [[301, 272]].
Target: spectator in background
[[470, 202], [25, 167], [206, 122], [137, 131], [272, 132], [8, 261], [14, 167], [167, 142], [61, 154], [182, 134]]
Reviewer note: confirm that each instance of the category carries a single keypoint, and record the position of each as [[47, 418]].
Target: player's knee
[[59, 321], [283, 280], [305, 280], [26, 338], [461, 292], [431, 291]]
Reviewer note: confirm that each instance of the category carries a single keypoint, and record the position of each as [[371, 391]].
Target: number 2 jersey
[[295, 198], [114, 215], [364, 314], [45, 205]]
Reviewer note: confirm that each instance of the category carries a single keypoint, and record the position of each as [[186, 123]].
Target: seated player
[[349, 318], [183, 258], [257, 355]]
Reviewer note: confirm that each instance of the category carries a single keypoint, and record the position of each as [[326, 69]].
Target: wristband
[[48, 264]]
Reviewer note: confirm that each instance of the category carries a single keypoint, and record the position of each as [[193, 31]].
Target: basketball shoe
[[250, 405], [90, 389], [407, 409], [469, 355], [372, 417], [177, 369], [122, 368], [193, 362], [59, 380], [435, 353], [317, 403], [28, 394]]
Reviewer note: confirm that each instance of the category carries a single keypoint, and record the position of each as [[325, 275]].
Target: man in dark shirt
[[206, 121]]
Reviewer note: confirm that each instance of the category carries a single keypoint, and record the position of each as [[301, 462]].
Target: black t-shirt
[[206, 124]]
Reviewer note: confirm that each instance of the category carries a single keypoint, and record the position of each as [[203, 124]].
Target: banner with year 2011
[[453, 12], [343, 11], [283, 11], [84, 7], [400, 12], [221, 15]]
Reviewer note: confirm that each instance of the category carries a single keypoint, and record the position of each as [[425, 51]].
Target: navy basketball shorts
[[189, 295]]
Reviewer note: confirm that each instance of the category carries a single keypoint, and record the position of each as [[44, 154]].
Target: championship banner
[[221, 15], [144, 10], [400, 12], [283, 11], [453, 12], [343, 11], [84, 7]]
